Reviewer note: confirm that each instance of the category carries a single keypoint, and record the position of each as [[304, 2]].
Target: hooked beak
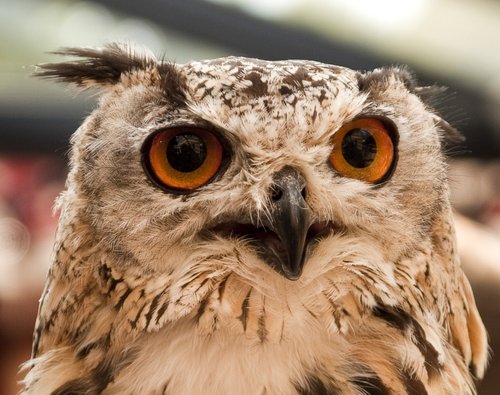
[[283, 236], [290, 220]]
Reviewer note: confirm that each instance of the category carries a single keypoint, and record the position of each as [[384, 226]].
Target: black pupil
[[359, 148], [186, 152]]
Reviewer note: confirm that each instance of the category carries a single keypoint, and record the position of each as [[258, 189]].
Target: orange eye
[[183, 159], [363, 149]]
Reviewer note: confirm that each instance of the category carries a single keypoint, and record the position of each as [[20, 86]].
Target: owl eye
[[183, 159], [364, 149]]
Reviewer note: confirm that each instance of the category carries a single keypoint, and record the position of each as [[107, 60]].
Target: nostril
[[276, 193], [304, 193]]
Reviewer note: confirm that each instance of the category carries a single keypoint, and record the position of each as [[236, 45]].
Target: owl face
[[270, 159]]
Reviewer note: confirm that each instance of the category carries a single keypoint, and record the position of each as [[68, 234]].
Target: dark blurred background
[[446, 42]]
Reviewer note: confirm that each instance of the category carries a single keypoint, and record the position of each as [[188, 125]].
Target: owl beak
[[290, 220], [285, 231]]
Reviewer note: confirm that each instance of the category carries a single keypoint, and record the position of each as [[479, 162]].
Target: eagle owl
[[241, 226]]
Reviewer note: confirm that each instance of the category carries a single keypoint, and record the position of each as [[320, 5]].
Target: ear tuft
[[431, 96], [94, 67], [434, 96], [450, 135], [385, 75]]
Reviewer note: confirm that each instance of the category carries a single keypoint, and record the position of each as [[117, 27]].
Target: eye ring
[[365, 149], [183, 159]]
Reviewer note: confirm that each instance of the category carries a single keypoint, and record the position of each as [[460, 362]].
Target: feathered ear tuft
[[450, 134], [433, 96], [430, 95], [99, 67], [384, 76]]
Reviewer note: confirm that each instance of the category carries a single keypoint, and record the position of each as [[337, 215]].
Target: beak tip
[[292, 271], [292, 276]]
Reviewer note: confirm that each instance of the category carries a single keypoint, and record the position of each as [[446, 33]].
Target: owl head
[[286, 163]]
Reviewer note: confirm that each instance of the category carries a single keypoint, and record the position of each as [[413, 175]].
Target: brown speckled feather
[[149, 293]]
